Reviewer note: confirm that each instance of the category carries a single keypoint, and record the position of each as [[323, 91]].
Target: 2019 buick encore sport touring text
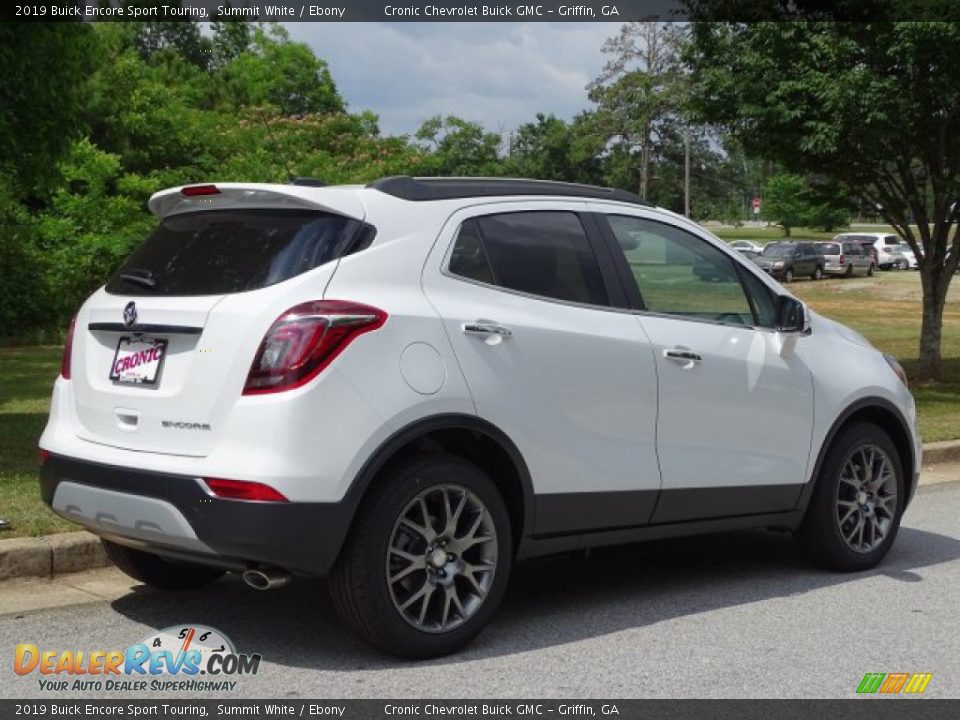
[[411, 386]]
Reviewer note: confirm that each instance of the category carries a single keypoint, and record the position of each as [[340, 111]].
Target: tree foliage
[[873, 107]]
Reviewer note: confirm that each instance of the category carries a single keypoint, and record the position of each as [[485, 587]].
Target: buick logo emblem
[[130, 314]]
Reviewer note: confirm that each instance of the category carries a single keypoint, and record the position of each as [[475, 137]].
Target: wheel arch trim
[[858, 406], [423, 427]]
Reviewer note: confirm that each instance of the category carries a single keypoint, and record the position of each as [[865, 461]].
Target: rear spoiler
[[341, 200]]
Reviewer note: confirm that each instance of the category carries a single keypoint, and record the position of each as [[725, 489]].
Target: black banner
[[480, 11], [862, 709]]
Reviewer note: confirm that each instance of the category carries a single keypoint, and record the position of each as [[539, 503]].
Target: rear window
[[830, 249], [231, 251]]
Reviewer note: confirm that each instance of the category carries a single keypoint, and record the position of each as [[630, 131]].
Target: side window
[[544, 253], [679, 274], [469, 259]]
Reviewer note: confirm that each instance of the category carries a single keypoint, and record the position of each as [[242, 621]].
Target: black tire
[[158, 572], [870, 270], [788, 275], [359, 586], [817, 273], [820, 534], [849, 272]]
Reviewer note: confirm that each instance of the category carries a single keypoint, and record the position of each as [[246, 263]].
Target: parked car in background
[[886, 247], [909, 258], [747, 245], [749, 252], [788, 260], [846, 259]]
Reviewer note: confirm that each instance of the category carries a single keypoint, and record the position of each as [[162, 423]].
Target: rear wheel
[[428, 560], [870, 270], [849, 272], [817, 273], [788, 276], [159, 572], [855, 510]]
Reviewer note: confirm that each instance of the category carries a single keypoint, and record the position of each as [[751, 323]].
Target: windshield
[[779, 250], [230, 251]]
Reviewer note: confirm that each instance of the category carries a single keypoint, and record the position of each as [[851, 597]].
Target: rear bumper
[[174, 515]]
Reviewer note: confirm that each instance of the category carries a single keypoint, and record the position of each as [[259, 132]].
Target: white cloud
[[497, 74]]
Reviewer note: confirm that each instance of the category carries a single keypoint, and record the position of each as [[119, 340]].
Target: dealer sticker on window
[[138, 361]]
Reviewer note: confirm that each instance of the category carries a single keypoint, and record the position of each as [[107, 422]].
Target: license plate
[[138, 361]]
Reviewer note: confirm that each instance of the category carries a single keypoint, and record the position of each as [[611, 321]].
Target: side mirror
[[792, 316]]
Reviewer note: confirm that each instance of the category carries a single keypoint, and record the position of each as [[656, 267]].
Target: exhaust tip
[[265, 579]]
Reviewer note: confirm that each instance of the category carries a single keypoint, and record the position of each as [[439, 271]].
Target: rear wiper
[[140, 277]]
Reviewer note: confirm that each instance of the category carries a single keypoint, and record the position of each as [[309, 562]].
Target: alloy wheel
[[866, 498], [442, 558]]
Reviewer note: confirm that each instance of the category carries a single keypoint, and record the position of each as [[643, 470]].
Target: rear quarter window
[[230, 251]]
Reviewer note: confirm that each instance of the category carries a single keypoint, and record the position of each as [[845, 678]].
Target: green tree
[[640, 90], [285, 74], [552, 149], [784, 201], [873, 107], [42, 99], [459, 147]]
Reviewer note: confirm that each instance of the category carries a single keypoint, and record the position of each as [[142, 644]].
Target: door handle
[[483, 327], [686, 358]]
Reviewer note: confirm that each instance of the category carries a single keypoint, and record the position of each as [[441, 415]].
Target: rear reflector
[[195, 190], [243, 490], [66, 360], [304, 340]]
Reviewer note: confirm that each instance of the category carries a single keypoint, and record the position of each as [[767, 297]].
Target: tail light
[[243, 490], [200, 190], [304, 340], [66, 361], [843, 259], [42, 456]]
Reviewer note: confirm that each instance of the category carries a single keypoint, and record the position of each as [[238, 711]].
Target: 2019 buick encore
[[413, 385]]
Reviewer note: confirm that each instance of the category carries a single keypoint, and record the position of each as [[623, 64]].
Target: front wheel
[[855, 510], [428, 560], [788, 276], [157, 571]]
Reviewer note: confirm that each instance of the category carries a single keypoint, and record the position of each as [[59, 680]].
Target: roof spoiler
[[216, 196]]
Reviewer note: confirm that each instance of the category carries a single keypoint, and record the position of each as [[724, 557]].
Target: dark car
[[787, 260]]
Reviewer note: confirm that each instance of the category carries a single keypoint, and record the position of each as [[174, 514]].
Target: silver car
[[846, 259]]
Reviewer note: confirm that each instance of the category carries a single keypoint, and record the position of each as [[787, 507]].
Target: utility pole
[[686, 173]]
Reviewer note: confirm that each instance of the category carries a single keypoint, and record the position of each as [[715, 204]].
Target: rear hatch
[[160, 355], [831, 252]]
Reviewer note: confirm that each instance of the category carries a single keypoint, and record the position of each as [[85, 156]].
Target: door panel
[[573, 386], [735, 402]]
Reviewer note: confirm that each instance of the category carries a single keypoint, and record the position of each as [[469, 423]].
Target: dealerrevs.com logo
[[185, 657]]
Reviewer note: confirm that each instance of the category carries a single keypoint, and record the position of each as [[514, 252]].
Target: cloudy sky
[[498, 74]]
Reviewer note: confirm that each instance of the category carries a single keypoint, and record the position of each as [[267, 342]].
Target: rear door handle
[[686, 358], [484, 327]]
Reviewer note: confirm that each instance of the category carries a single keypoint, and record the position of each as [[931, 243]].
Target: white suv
[[413, 385], [888, 248]]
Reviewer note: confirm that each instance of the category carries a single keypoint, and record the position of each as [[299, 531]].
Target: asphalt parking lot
[[740, 615]]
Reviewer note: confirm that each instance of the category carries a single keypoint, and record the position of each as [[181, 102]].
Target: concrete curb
[[941, 452], [76, 551], [50, 555]]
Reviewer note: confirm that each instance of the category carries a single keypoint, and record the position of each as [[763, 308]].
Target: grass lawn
[[885, 308], [26, 378]]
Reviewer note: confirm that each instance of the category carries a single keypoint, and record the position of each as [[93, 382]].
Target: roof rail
[[308, 182], [444, 188]]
